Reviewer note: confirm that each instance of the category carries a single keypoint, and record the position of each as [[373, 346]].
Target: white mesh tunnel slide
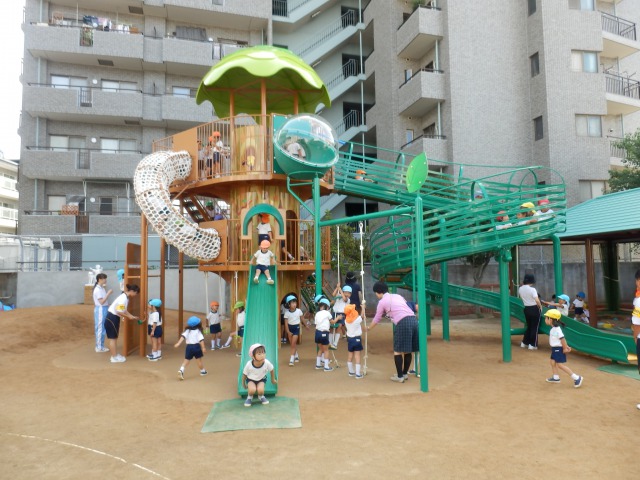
[[151, 181]]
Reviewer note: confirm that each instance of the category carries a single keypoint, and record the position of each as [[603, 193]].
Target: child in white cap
[[254, 374]]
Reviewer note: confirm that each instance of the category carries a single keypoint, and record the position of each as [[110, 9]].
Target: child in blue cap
[[195, 345]]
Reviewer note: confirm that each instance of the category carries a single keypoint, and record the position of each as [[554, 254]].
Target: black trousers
[[532, 317]]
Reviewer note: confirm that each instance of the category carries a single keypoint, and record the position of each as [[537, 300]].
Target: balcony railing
[[9, 213], [113, 213], [347, 20], [618, 26], [619, 85], [616, 151], [349, 69], [418, 72], [436, 137], [8, 183], [429, 4], [351, 119], [284, 8]]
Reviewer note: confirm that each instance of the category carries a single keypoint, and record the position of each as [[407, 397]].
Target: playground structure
[[246, 161]]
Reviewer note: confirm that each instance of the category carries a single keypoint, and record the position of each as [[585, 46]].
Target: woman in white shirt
[[532, 311]]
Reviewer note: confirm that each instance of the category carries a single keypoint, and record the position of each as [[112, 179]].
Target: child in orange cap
[[262, 260], [254, 374], [353, 322], [215, 328], [264, 228]]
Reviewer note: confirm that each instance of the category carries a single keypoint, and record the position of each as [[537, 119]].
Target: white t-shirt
[[528, 294], [293, 318], [503, 226], [340, 303], [100, 292], [257, 373], [323, 320], [635, 315], [555, 334], [264, 258], [240, 319], [544, 215], [213, 318], [354, 329], [192, 337], [564, 309], [154, 317], [120, 304], [264, 228], [578, 303]]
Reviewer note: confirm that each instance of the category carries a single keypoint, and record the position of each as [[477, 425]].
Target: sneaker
[[396, 378], [638, 406], [180, 374], [121, 358], [405, 376], [150, 356], [255, 280], [118, 359], [352, 374], [238, 354], [532, 347], [270, 281], [359, 377], [553, 380], [224, 346], [247, 402], [578, 383], [319, 367], [203, 373], [263, 400], [332, 347], [328, 369], [101, 349], [154, 359], [523, 345], [159, 357], [291, 364], [296, 359], [413, 372]]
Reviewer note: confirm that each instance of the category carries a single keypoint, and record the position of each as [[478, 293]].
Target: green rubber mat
[[281, 412], [630, 371]]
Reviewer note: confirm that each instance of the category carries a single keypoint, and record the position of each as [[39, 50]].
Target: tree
[[479, 263], [629, 176], [349, 247]]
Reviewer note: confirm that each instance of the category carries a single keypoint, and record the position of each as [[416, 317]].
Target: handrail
[[431, 5], [619, 85], [349, 69], [283, 8], [618, 26], [347, 20], [351, 119], [427, 70], [424, 135], [77, 149]]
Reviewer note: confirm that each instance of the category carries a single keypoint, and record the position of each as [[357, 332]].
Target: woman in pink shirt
[[405, 333]]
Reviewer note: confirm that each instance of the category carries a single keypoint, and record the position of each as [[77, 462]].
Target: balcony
[[79, 104], [8, 188], [420, 32], [85, 46], [74, 164], [618, 37], [623, 94], [341, 80], [230, 14], [434, 146], [184, 109], [350, 126], [422, 92], [290, 13]]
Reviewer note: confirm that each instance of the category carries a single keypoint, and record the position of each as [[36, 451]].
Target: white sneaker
[[523, 345], [118, 359], [638, 406], [101, 349], [531, 347], [122, 359]]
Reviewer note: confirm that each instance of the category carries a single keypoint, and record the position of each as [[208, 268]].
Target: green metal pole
[[557, 264], [317, 234], [505, 312], [423, 310], [444, 268]]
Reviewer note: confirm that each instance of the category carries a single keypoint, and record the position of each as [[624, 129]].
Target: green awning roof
[[611, 216]]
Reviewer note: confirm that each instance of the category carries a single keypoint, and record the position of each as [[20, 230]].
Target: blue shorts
[[354, 344], [157, 333], [294, 329], [193, 351], [322, 338], [579, 310], [558, 355], [241, 332], [262, 268], [263, 236], [112, 325], [215, 328]]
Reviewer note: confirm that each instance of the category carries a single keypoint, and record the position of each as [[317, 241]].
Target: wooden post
[[591, 283]]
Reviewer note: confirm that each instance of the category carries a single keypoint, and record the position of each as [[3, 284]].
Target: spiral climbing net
[[151, 181]]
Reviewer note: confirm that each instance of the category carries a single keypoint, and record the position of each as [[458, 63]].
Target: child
[[525, 217], [120, 274], [635, 318], [578, 307], [154, 330], [116, 311], [239, 324], [262, 260], [292, 318], [562, 304], [264, 228], [341, 296], [213, 321], [559, 349], [503, 218], [545, 212], [354, 339], [195, 345], [323, 324], [254, 375], [100, 296]]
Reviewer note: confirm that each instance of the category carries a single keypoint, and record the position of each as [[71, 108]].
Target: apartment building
[[523, 82], [8, 196]]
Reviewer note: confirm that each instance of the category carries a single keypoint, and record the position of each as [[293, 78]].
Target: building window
[[64, 143], [409, 134], [118, 86], [588, 189], [55, 202], [589, 5], [182, 92], [63, 81], [532, 6], [535, 64], [407, 75], [106, 206], [538, 129], [116, 145], [588, 126], [584, 61]]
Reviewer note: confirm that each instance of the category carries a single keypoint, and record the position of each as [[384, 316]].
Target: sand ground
[[68, 413]]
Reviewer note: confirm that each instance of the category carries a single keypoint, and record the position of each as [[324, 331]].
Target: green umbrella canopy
[[242, 73]]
